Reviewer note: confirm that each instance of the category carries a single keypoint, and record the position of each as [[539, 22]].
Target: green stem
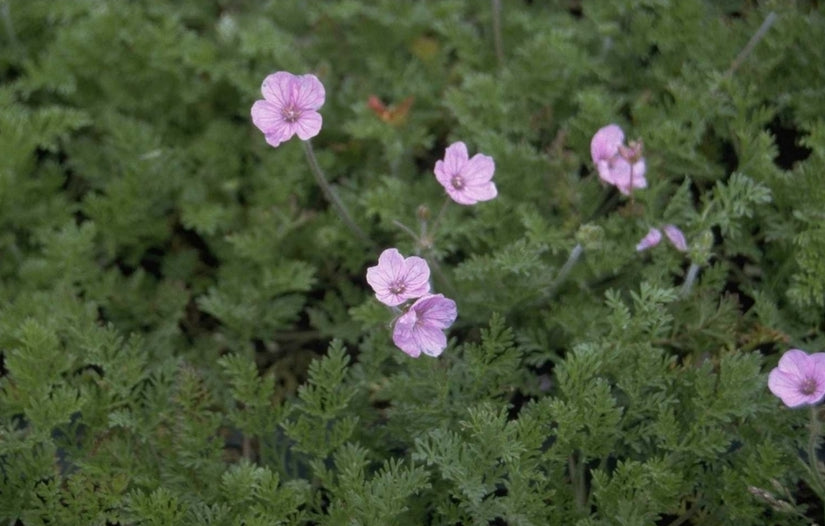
[[749, 47], [577, 479], [332, 196], [692, 272], [813, 463], [434, 226], [9, 27], [406, 229], [575, 254]]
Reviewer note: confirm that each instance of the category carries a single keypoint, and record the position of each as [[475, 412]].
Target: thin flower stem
[[496, 4], [405, 228], [332, 196], [434, 226], [577, 479], [9, 27], [575, 254], [692, 272], [813, 462], [749, 47]]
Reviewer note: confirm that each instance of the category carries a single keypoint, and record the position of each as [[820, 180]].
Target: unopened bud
[[423, 213], [590, 236], [700, 252]]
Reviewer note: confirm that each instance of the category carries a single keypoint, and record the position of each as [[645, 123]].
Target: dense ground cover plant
[[199, 328]]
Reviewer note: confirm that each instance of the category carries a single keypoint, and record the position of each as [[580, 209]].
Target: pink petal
[[310, 93], [605, 143], [441, 174], [676, 237], [455, 157], [818, 359], [402, 334], [653, 237], [391, 261], [416, 276], [605, 174], [460, 196], [620, 173], [277, 88], [636, 177], [308, 125], [796, 363], [266, 117], [482, 192], [430, 341], [479, 169], [436, 311], [639, 169], [279, 136], [786, 386], [413, 338]]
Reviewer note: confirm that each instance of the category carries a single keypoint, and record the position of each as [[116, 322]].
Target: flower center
[[808, 386], [290, 114], [457, 181], [397, 287]]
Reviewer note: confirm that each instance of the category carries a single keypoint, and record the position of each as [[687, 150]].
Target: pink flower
[[799, 378], [619, 165], [467, 180], [396, 279], [653, 237], [290, 107], [421, 328], [676, 237]]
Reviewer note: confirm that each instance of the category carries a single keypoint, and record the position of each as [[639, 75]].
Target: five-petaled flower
[[397, 279], [467, 180], [421, 328], [799, 378], [290, 107], [617, 164]]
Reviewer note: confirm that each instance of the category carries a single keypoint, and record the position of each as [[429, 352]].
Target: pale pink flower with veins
[[290, 107], [799, 378], [421, 328], [651, 239], [617, 164], [397, 279], [467, 180]]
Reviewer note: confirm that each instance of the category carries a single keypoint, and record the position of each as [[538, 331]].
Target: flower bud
[[590, 236], [700, 252]]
